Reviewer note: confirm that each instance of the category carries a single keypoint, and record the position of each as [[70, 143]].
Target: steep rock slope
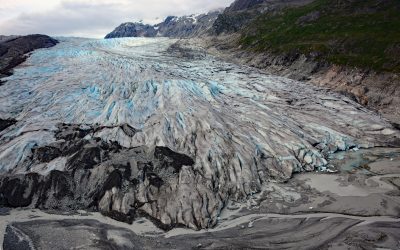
[[13, 50], [157, 132]]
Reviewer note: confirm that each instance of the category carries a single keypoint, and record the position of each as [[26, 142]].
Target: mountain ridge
[[172, 26]]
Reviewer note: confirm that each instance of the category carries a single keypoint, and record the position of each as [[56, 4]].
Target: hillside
[[356, 33], [13, 50]]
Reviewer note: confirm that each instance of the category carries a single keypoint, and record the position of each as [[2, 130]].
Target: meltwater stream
[[207, 130]]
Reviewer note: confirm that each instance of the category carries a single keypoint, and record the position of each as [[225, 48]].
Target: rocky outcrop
[[232, 19], [132, 30], [242, 12], [13, 50], [172, 26], [243, 5], [6, 38]]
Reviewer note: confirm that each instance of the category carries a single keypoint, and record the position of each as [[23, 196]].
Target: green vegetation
[[360, 33]]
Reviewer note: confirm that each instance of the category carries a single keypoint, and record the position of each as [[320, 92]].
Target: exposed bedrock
[[159, 134]]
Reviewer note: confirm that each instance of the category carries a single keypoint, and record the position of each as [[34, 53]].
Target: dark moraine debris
[[18, 191], [72, 131], [46, 153], [155, 180], [86, 157], [173, 159], [129, 130], [180, 51], [114, 180], [95, 175], [5, 123]]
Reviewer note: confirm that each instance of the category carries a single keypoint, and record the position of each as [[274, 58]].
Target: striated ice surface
[[240, 126], [204, 108]]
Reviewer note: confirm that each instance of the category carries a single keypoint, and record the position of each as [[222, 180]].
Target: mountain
[[243, 4], [172, 26], [132, 30], [187, 26], [242, 12]]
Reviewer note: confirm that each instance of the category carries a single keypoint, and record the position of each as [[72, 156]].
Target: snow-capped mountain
[[172, 26]]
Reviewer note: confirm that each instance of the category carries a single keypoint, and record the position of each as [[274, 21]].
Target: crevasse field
[[234, 127]]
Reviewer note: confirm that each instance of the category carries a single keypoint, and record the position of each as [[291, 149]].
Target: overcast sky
[[91, 18]]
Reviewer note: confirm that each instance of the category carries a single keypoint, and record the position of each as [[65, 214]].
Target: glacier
[[198, 130]]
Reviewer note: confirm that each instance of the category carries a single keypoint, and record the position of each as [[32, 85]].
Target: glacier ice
[[240, 126]]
